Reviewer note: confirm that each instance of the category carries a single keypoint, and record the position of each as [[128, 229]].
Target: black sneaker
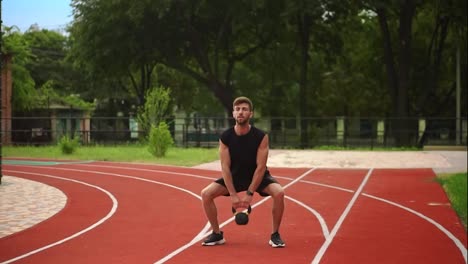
[[214, 239], [276, 240]]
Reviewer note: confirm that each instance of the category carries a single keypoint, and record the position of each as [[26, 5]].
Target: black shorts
[[243, 185]]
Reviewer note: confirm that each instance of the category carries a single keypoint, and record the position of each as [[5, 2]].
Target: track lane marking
[[91, 227], [455, 240], [205, 231], [329, 186], [191, 243], [197, 238], [338, 224], [322, 222], [452, 237], [460, 245]]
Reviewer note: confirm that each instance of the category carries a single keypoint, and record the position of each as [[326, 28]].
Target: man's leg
[[208, 195], [275, 190], [277, 194]]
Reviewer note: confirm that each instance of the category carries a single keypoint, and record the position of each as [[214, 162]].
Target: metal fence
[[204, 131]]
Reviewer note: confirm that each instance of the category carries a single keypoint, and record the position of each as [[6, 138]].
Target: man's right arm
[[225, 158]]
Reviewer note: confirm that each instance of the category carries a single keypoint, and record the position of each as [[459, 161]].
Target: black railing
[[284, 132]]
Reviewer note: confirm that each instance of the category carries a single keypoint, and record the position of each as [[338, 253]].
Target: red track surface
[[128, 213]]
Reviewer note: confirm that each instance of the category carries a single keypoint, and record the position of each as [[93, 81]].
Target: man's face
[[242, 113]]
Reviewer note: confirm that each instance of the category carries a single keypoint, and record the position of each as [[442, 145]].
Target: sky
[[48, 14]]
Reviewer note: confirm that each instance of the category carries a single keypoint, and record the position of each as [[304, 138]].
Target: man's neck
[[242, 129]]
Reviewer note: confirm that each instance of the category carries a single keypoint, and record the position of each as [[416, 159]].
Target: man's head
[[243, 99], [242, 110]]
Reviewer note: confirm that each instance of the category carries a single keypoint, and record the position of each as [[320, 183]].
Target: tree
[[23, 94], [112, 45], [39, 71], [399, 54], [354, 84], [152, 119], [311, 21], [399, 78], [202, 39], [156, 108], [47, 62], [444, 22]]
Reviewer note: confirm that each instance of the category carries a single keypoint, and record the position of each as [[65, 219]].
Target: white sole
[[219, 242], [275, 245]]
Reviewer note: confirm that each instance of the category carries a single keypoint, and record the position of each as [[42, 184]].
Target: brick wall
[[6, 99]]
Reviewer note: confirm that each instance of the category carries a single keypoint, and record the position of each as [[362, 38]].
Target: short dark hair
[[241, 100]]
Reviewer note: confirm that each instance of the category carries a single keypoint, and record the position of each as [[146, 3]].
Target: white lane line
[[322, 222], [168, 172], [129, 177], [338, 224], [455, 240], [191, 243], [102, 220], [149, 170], [445, 231], [329, 186], [204, 232], [197, 238]]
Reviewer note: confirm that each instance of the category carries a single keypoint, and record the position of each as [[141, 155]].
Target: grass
[[123, 153], [455, 185], [332, 147]]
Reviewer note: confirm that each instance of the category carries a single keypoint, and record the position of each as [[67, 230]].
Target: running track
[[134, 213]]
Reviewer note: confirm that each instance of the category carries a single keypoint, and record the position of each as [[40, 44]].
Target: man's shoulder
[[258, 130]]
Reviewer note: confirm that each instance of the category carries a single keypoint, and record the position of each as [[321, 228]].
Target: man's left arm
[[262, 157]]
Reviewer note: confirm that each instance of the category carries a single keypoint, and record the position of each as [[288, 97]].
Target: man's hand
[[247, 200], [236, 201], [241, 203]]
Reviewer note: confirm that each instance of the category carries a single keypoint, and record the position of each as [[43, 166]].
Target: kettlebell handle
[[249, 210]]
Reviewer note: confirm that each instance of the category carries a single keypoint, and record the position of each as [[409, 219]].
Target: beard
[[243, 121]]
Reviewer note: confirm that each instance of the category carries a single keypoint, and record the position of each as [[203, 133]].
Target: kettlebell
[[242, 218]]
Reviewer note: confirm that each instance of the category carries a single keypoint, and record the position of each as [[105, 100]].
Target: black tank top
[[243, 151]]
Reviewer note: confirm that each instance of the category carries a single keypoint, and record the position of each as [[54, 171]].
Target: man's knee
[[206, 193], [211, 191], [278, 194], [275, 190]]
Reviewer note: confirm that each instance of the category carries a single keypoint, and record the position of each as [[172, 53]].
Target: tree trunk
[[435, 112], [224, 94], [388, 57], [304, 32], [399, 80], [405, 36]]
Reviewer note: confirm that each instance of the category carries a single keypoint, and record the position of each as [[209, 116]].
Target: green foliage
[[48, 95], [456, 187], [40, 74], [159, 140], [47, 64], [156, 108], [121, 59], [253, 48], [68, 145], [130, 37], [14, 44]]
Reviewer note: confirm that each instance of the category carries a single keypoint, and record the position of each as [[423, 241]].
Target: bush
[[155, 109], [159, 140], [68, 145]]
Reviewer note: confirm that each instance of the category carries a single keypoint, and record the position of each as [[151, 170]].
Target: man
[[243, 151]]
